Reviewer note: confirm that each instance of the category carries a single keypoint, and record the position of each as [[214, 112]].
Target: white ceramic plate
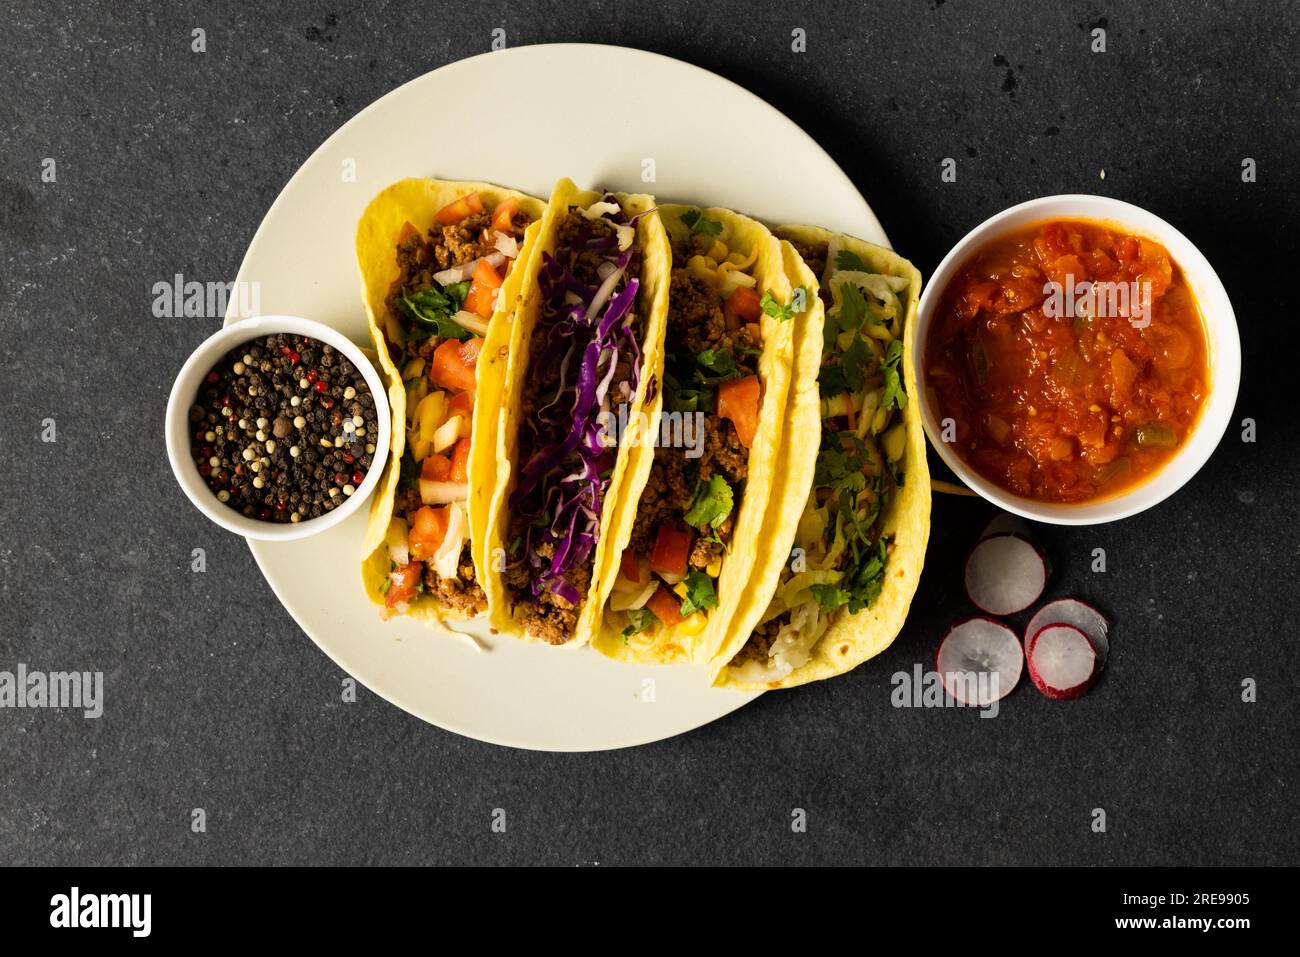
[[523, 118]]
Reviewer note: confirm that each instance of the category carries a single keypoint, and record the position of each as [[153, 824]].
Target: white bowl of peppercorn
[[278, 427]]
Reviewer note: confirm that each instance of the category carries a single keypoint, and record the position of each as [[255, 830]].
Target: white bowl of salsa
[[1079, 359]]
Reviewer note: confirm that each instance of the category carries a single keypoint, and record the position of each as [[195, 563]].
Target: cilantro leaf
[[433, 308], [689, 381], [829, 597], [855, 362], [638, 620], [841, 469], [864, 579], [853, 307], [713, 503], [894, 394], [699, 593], [774, 309], [850, 261], [848, 372], [718, 365], [688, 400], [695, 221], [831, 380]]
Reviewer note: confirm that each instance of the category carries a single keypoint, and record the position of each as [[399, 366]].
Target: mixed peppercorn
[[284, 429]]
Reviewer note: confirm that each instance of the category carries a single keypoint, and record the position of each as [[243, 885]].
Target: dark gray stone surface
[[166, 162]]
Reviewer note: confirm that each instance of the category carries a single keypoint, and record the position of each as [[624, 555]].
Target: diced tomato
[[407, 231], [743, 304], [428, 529], [672, 548], [462, 404], [738, 401], [481, 300], [632, 568], [460, 461], [503, 216], [436, 468], [453, 364], [403, 583], [666, 606], [458, 209]]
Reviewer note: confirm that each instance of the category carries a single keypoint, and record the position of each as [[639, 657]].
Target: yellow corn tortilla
[[687, 641], [850, 639], [634, 453], [417, 201]]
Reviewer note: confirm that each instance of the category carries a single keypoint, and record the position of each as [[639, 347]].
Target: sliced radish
[[1005, 573], [979, 646], [1062, 664], [1071, 611], [1004, 523]]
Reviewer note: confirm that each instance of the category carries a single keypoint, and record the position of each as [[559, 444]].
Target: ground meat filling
[[463, 593], [418, 259], [552, 619], [549, 616], [759, 646], [696, 324], [814, 256]]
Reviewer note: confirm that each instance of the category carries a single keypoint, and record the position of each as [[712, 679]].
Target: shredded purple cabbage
[[562, 486]]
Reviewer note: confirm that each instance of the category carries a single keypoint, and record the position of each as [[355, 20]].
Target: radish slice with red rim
[[1004, 523], [975, 647], [1005, 573], [1071, 611], [1062, 662]]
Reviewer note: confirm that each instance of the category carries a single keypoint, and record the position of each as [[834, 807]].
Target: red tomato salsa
[[1071, 357]]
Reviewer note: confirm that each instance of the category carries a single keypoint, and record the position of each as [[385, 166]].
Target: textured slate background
[[167, 161]]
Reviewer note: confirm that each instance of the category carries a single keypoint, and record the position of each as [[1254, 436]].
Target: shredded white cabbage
[[883, 287], [626, 234], [446, 560], [506, 245], [603, 293], [732, 278], [599, 210], [634, 597], [791, 649], [464, 271], [470, 321]]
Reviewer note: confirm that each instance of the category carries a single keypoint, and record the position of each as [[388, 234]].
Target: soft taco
[[687, 529], [442, 264], [847, 547], [583, 359]]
